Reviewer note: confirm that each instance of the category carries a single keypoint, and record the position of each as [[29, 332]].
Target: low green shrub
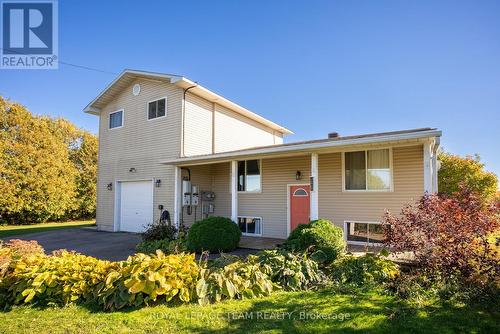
[[166, 246], [62, 278], [363, 271], [159, 230], [214, 234], [145, 279], [240, 279], [321, 238], [290, 271]]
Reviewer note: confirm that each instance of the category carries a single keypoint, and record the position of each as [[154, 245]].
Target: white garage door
[[136, 205]]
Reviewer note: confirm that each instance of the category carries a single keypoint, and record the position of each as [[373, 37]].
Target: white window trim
[[306, 195], [147, 108], [123, 119], [362, 243], [260, 181], [252, 234], [391, 187]]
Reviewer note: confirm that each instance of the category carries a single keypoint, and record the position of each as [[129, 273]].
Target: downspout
[[184, 116]]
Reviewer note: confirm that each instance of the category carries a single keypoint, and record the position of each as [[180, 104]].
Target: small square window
[[116, 119], [157, 108]]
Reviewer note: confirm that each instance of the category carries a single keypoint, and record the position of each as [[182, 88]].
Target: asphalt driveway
[[104, 245], [113, 246]]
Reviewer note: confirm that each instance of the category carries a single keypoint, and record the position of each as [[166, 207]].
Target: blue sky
[[313, 66]]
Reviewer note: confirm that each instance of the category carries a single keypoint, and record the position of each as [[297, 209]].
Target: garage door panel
[[136, 205]]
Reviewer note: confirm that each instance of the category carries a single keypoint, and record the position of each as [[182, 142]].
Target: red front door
[[299, 205]]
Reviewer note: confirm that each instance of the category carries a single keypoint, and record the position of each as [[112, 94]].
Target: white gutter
[[305, 146]]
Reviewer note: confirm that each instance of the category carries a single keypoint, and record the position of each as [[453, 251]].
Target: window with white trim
[[364, 232], [250, 225], [157, 108], [368, 170], [116, 119], [249, 176]]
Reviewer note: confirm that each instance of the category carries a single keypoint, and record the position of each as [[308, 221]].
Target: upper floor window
[[368, 170], [157, 108], [249, 175], [116, 119]]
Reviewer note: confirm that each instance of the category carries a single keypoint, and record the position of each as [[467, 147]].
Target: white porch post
[[177, 196], [428, 167], [234, 191], [314, 187], [435, 168]]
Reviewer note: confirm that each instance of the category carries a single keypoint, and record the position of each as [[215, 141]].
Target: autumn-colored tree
[[448, 234], [84, 157], [41, 168], [468, 171]]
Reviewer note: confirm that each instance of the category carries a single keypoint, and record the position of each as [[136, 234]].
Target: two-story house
[[169, 144]]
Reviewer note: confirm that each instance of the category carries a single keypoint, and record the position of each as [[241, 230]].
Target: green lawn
[[10, 230], [362, 313]]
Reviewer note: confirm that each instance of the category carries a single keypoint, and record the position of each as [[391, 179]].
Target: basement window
[[157, 108], [363, 233], [116, 119], [250, 225], [249, 179]]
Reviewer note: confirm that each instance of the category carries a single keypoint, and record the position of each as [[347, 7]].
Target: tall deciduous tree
[[46, 170], [467, 171]]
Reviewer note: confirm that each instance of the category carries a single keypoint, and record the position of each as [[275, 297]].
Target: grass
[[10, 230], [327, 312]]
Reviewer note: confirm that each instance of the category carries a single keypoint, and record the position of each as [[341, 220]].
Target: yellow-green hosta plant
[[237, 280], [145, 279], [62, 278]]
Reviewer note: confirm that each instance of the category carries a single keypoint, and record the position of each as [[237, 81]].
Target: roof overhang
[[128, 76], [339, 144]]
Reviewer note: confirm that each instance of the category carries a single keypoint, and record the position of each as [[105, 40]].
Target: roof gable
[[128, 76]]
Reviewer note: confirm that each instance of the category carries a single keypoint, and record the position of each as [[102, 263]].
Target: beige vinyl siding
[[278, 138], [339, 206], [198, 126], [271, 203], [141, 144], [211, 128], [234, 131], [222, 188]]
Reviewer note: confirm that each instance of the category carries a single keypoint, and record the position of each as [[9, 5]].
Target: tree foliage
[[48, 167], [449, 235], [469, 171]]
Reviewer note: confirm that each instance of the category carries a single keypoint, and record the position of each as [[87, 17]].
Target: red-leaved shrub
[[448, 235]]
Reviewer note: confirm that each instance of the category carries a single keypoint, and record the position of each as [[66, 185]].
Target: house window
[[249, 176], [364, 232], [116, 119], [367, 170], [157, 108], [250, 225]]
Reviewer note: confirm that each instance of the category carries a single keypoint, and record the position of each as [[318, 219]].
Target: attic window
[[157, 108]]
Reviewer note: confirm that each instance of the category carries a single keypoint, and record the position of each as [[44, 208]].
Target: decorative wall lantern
[[157, 183], [110, 186], [298, 175]]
